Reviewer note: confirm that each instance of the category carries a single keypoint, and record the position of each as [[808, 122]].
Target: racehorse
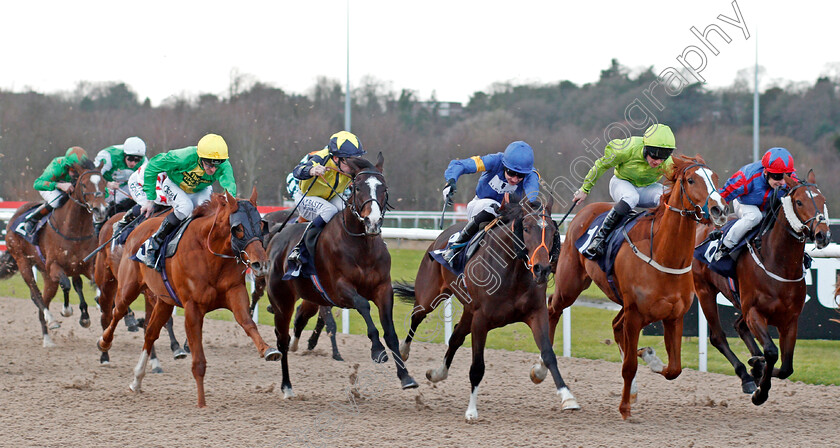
[[504, 282], [62, 245], [352, 263], [106, 267], [274, 222], [771, 285], [206, 273], [652, 279]]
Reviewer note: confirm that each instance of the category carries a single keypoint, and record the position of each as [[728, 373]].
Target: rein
[[353, 209], [238, 257], [693, 213]]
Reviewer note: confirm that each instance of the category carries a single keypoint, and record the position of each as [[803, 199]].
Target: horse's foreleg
[[479, 337], [456, 340], [540, 328], [194, 322], [673, 329], [159, 314], [758, 326], [50, 289], [36, 297], [256, 294], [385, 303], [787, 342], [631, 326], [237, 299], [84, 319], [153, 358], [282, 317], [332, 329], [177, 351], [303, 313], [316, 332], [717, 337], [64, 283], [377, 350], [127, 292], [756, 361]]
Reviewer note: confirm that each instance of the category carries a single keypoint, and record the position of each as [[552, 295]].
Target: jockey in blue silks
[[750, 190], [509, 172]]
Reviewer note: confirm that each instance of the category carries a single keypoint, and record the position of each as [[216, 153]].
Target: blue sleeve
[[531, 186], [475, 164], [301, 171]]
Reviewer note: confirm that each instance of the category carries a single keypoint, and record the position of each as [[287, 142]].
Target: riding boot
[[126, 219], [458, 240], [722, 251], [27, 226], [312, 230], [148, 252], [618, 212]]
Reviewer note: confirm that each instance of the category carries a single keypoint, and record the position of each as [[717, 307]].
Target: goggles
[[513, 173], [776, 176], [214, 162], [135, 159]]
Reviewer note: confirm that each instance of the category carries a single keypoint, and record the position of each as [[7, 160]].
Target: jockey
[[639, 162], [750, 190], [179, 178], [318, 195], [119, 163], [54, 185], [509, 172]]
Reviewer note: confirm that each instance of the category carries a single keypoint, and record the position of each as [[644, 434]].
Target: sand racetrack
[[63, 397]]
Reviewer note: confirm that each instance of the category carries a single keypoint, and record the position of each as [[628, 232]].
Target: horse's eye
[[238, 231], [798, 203], [690, 180]]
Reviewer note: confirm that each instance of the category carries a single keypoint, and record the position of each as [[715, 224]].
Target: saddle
[[614, 241], [31, 238], [456, 267]]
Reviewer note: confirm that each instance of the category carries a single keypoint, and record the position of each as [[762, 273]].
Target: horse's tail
[[404, 290], [8, 266]]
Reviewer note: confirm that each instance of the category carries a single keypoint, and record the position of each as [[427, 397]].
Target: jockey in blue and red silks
[[750, 190]]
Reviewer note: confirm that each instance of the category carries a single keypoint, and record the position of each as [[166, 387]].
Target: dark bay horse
[[353, 265], [652, 282], [206, 273], [62, 246], [504, 282], [771, 285], [274, 222], [106, 268]]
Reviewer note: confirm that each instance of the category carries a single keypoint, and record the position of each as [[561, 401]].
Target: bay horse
[[106, 268], [273, 222], [504, 282], [652, 278], [206, 273], [771, 285], [62, 246], [353, 266]]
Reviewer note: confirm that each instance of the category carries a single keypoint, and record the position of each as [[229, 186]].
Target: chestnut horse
[[353, 264], [62, 245], [771, 285], [106, 268], [206, 273], [652, 278], [503, 282], [274, 222]]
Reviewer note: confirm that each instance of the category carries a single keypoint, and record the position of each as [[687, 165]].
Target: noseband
[[697, 212], [799, 227], [78, 186]]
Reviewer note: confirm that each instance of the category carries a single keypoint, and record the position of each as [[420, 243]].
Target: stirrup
[[723, 251], [147, 254]]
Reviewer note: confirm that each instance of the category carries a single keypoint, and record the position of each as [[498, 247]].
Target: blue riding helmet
[[346, 144], [519, 157]]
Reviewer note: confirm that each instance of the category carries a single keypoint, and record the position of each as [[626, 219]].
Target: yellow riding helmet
[[660, 136], [212, 146]]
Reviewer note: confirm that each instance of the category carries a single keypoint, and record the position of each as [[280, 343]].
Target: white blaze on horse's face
[[374, 219], [715, 198]]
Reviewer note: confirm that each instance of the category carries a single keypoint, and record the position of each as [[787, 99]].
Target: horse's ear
[[812, 178], [505, 201], [229, 198], [101, 164], [380, 161], [253, 198], [549, 204]]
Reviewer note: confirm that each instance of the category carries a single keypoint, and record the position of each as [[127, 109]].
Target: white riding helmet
[[134, 146]]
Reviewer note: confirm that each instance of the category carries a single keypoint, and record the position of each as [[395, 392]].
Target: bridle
[[543, 220], [78, 187], [797, 226], [695, 211], [239, 253], [351, 204]]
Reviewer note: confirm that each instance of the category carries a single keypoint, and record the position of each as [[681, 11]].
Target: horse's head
[[806, 211], [246, 232], [699, 191], [533, 227], [369, 193], [90, 190]]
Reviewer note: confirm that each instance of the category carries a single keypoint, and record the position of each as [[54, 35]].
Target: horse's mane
[[681, 163], [87, 164], [359, 164], [209, 208]]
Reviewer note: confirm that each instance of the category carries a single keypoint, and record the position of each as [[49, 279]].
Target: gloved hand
[[448, 191]]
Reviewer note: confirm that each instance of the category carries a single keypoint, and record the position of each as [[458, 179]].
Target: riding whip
[[115, 235]]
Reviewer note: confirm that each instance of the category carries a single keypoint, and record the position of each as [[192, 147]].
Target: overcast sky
[[454, 48]]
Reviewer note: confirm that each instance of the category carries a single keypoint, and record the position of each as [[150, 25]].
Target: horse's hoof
[[55, 325], [48, 343], [179, 353], [570, 404], [133, 328], [338, 357], [288, 393], [757, 398], [293, 346], [538, 374], [471, 415], [85, 323], [104, 359], [157, 369], [269, 309], [409, 383], [379, 357], [272, 354], [67, 312], [749, 387]]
